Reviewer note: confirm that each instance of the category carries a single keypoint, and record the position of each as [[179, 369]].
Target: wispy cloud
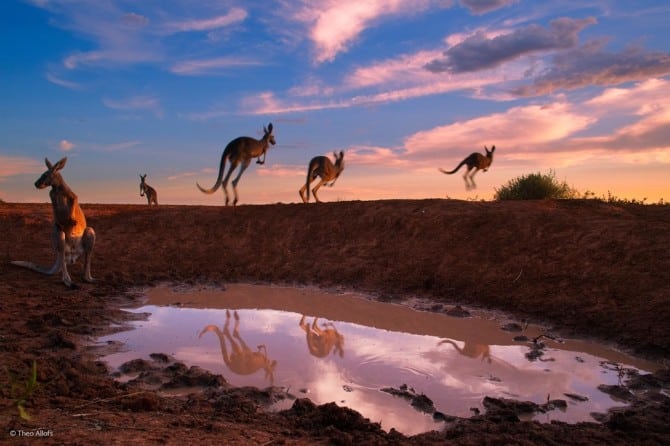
[[142, 103], [235, 15], [18, 165], [211, 66], [63, 83], [283, 171], [484, 6]]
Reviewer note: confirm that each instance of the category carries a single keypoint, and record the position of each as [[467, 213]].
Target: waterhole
[[377, 358]]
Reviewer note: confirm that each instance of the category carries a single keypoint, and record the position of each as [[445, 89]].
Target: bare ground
[[586, 268]]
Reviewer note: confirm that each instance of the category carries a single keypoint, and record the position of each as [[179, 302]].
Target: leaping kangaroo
[[150, 192], [475, 161], [322, 340], [322, 166], [70, 237], [471, 350], [240, 152], [241, 360]]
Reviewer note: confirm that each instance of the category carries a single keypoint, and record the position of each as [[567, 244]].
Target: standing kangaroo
[[150, 192], [241, 360], [70, 237], [475, 161], [322, 166], [240, 151]]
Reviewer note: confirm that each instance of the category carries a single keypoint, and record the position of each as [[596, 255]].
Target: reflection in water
[[241, 360], [470, 349], [321, 340], [455, 362]]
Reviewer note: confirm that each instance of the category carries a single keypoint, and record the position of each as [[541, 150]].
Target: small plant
[[535, 186], [22, 390]]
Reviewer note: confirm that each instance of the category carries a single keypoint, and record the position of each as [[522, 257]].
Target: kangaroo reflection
[[470, 349], [321, 340], [241, 360]]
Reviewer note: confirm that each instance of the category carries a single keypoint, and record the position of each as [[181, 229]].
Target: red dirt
[[584, 267]]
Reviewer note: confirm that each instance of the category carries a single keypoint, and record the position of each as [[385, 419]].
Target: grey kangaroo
[[70, 237], [475, 161], [150, 192], [239, 152], [322, 166]]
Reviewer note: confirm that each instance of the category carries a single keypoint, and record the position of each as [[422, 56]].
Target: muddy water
[[346, 348]]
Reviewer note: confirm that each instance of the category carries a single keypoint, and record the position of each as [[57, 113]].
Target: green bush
[[535, 186]]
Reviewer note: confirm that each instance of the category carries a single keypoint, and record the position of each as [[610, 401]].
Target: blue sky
[[124, 88]]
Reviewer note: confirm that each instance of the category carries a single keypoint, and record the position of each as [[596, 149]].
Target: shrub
[[535, 186]]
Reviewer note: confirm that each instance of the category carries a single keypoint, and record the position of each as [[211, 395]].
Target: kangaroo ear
[[48, 163], [341, 153], [60, 164], [270, 128]]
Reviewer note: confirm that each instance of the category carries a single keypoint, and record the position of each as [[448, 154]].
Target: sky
[[580, 89]]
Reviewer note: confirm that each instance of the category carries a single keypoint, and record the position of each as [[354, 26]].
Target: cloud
[[519, 128], [591, 65], [18, 165], [484, 6], [142, 103], [134, 20], [335, 24], [234, 16], [65, 145], [211, 66], [63, 83], [283, 171], [479, 52]]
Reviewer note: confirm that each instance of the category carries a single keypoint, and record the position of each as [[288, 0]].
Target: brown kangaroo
[[150, 192], [322, 166], [320, 341], [241, 360], [471, 350], [475, 161], [70, 237], [239, 152]]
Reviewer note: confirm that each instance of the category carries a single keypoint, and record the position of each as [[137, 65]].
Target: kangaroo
[[242, 360], [322, 166], [150, 192], [239, 152], [320, 341], [70, 237], [470, 349], [475, 161]]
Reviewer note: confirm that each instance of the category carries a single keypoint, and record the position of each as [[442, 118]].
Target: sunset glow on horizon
[[403, 87]]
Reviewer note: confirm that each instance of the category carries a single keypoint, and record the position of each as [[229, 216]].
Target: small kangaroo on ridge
[[475, 161], [70, 237], [150, 192]]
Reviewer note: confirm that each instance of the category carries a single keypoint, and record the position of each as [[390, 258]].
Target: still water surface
[[343, 347]]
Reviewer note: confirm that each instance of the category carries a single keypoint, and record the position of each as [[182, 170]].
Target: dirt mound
[[585, 267]]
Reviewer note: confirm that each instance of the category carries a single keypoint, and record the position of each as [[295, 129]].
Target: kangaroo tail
[[222, 167], [35, 267], [453, 171]]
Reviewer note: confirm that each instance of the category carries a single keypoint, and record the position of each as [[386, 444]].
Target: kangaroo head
[[268, 134], [142, 178], [52, 176], [489, 153]]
